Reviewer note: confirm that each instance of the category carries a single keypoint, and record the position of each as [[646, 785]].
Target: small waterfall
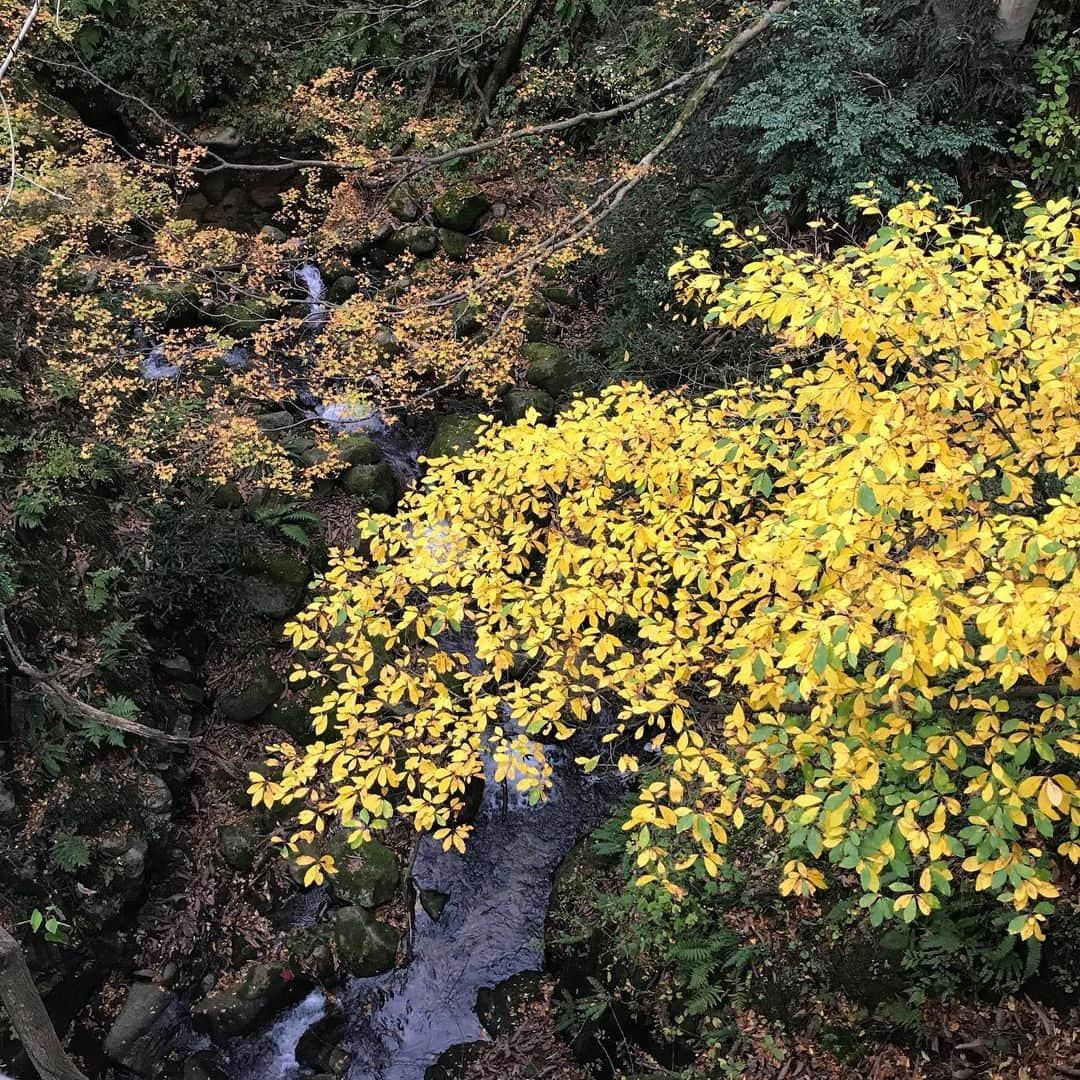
[[312, 280], [156, 368]]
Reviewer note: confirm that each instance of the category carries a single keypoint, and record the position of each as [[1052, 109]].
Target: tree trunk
[[1014, 18], [504, 65], [28, 1016]]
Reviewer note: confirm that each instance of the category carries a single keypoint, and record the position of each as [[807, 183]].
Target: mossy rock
[[454, 435], [551, 367], [273, 235], [563, 295], [358, 449], [404, 203], [271, 599], [460, 208], [243, 318], [455, 1063], [364, 945], [266, 990], [227, 496], [238, 845], [310, 948], [420, 240], [342, 287], [372, 486], [281, 567], [177, 296], [517, 403], [455, 244], [466, 318], [367, 876], [501, 1008], [261, 689]]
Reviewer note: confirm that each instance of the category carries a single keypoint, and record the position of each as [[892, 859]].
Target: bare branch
[[20, 37], [74, 704]]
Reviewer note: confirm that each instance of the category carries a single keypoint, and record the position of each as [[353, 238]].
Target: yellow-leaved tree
[[844, 605]]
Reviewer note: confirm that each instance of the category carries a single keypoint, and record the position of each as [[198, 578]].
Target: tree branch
[[20, 37], [74, 704]]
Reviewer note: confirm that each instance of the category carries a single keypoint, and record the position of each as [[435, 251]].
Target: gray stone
[[454, 435], [460, 208], [281, 567], [517, 403], [342, 288], [271, 599], [387, 344], [238, 845], [455, 244], [367, 875], [466, 318], [192, 206], [364, 946], [278, 420], [372, 486], [273, 235], [177, 668], [403, 204], [136, 1038], [420, 240], [262, 688], [228, 497], [551, 367]]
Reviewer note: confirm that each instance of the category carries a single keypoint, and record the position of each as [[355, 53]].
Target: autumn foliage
[[844, 605]]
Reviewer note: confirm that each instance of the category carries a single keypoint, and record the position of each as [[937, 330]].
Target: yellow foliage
[[845, 604]]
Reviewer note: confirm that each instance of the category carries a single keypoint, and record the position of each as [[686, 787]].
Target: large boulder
[[454, 435], [403, 203], [358, 449], [419, 240], [372, 486], [319, 1049], [265, 991], [367, 875], [460, 208], [259, 691], [270, 599], [454, 244], [551, 367], [142, 1030], [243, 318], [364, 945]]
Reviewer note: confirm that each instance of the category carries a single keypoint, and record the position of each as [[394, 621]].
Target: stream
[[492, 927], [492, 924]]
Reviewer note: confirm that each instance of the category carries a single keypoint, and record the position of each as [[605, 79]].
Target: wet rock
[[454, 435], [455, 244], [433, 902], [501, 1008], [293, 716], [364, 946], [141, 1030], [420, 240], [318, 1048], [262, 688], [222, 136], [403, 203], [265, 991], [372, 486], [154, 803], [235, 203], [460, 208], [517, 403], [278, 420], [204, 1065], [358, 449], [238, 845], [551, 367], [367, 875], [273, 235]]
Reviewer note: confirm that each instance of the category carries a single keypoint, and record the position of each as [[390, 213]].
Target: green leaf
[[868, 500]]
